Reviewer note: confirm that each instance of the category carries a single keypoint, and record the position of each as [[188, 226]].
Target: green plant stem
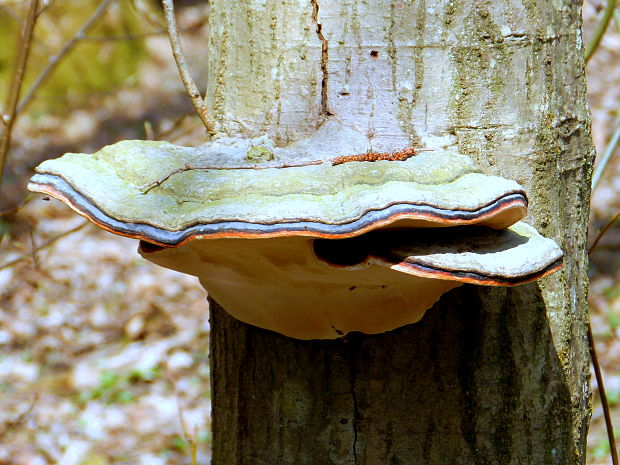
[[15, 87], [600, 29]]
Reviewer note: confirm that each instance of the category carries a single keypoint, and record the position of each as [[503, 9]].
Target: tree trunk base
[[477, 381]]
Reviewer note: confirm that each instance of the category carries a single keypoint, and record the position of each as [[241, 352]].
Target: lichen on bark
[[487, 376]]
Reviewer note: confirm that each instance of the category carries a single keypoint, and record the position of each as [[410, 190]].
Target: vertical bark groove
[[356, 413], [324, 59]]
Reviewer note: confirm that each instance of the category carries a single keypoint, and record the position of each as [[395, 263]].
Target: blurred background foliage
[[100, 351], [114, 79], [108, 58]]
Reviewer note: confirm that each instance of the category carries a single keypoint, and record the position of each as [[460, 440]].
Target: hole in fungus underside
[[341, 252], [149, 247]]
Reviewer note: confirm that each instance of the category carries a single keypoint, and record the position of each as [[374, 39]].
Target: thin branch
[[141, 35], [20, 418], [187, 167], [45, 7], [16, 208], [601, 390], [33, 250], [609, 151], [603, 231], [597, 367], [147, 14], [136, 36], [6, 9], [364, 157], [55, 60], [600, 29], [42, 246], [179, 58], [16, 84], [175, 125], [182, 132]]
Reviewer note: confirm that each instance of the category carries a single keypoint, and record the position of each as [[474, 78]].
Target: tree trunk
[[490, 375]]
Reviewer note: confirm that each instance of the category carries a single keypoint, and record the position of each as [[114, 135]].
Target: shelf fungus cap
[[311, 251], [117, 189]]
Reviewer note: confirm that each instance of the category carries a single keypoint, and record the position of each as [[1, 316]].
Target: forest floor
[[103, 353]]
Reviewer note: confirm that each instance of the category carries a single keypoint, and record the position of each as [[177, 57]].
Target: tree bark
[[489, 376]]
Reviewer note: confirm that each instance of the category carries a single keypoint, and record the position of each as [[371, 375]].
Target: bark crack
[[324, 59], [353, 351], [355, 417]]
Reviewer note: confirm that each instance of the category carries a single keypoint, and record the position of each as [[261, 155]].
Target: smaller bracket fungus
[[312, 251]]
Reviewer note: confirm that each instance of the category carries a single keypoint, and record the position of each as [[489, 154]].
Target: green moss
[[544, 187], [259, 153], [475, 70], [407, 103], [117, 388], [452, 10], [470, 70], [292, 401]]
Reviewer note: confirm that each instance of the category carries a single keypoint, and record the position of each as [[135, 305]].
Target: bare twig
[[55, 60], [16, 208], [171, 129], [7, 10], [602, 232], [142, 35], [179, 58], [597, 367], [182, 132], [12, 110], [600, 29], [137, 36], [33, 250], [368, 157], [189, 167], [601, 390], [147, 13], [45, 7], [20, 418], [42, 246]]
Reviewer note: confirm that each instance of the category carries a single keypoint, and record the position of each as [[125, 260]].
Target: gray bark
[[489, 376]]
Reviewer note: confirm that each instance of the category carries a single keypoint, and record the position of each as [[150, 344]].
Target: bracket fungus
[[312, 251]]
